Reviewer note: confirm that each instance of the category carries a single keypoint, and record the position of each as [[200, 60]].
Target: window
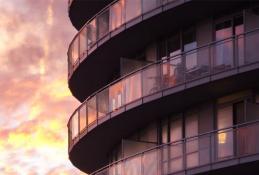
[[164, 131], [239, 30], [173, 45], [190, 43], [176, 149], [223, 49], [225, 136], [192, 144]]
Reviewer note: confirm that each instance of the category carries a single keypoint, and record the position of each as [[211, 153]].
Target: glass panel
[[133, 9], [165, 131], [150, 163], [150, 4], [133, 87], [103, 24], [103, 103], [174, 45], [173, 72], [74, 51], [225, 137], [190, 43], [151, 79], [176, 157], [191, 130], [204, 149], [83, 42], [116, 96], [133, 166], [176, 130], [149, 133], [82, 113], [252, 111], [248, 139], [197, 63], [91, 33], [117, 14], [116, 169], [251, 47], [91, 110], [224, 49], [75, 125], [239, 29]]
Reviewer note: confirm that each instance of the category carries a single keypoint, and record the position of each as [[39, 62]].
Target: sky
[[35, 102]]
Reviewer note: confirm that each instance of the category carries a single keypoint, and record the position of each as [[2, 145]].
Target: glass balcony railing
[[168, 73], [205, 149], [107, 20]]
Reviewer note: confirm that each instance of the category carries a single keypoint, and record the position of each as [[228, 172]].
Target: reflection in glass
[[173, 72], [133, 9], [82, 117], [133, 87], [176, 157], [103, 24], [74, 50], [116, 96], [117, 12], [225, 137], [176, 149], [103, 103], [83, 42], [91, 110], [91, 33], [116, 169], [132, 166], [192, 145], [75, 125], [190, 43], [151, 79], [224, 49], [149, 161], [150, 4], [239, 29], [174, 45]]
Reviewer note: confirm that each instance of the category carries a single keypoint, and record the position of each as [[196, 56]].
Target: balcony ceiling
[[82, 10], [87, 78], [89, 154]]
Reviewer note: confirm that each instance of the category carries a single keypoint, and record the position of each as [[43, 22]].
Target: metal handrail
[[178, 142], [95, 17], [160, 61]]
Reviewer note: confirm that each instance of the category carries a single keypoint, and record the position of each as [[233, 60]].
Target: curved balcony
[[99, 40], [220, 149], [82, 10], [236, 58]]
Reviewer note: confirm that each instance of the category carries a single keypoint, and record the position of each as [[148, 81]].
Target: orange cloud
[[35, 101]]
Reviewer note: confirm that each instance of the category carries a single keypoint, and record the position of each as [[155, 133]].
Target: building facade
[[167, 87]]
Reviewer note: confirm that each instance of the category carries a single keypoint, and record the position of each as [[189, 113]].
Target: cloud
[[35, 102]]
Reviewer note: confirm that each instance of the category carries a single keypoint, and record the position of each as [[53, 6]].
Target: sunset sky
[[35, 102]]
